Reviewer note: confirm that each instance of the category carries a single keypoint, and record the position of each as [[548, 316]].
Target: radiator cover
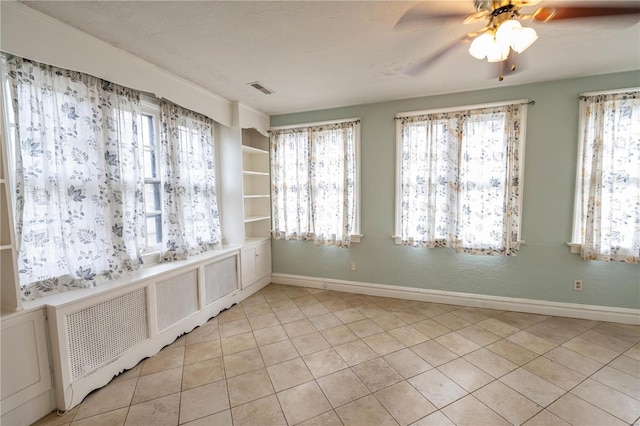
[[99, 333]]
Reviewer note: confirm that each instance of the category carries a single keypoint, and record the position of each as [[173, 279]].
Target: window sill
[[150, 259], [575, 248], [147, 272], [397, 239], [355, 238]]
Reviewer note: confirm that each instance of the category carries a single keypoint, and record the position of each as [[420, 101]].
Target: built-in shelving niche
[[256, 185]]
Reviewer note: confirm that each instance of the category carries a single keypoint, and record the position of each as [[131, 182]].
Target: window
[[148, 137], [315, 182], [191, 223], [607, 206], [11, 130], [459, 178], [79, 211], [97, 184]]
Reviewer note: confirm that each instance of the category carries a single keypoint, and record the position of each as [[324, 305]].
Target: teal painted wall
[[544, 268]]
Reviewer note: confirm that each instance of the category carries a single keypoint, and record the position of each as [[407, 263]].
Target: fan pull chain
[[510, 58]]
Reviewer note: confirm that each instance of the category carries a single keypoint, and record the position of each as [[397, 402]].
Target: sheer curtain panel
[[608, 196], [79, 206], [191, 222], [460, 179], [314, 180]]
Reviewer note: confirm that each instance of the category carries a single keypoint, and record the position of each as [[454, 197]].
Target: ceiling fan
[[503, 36]]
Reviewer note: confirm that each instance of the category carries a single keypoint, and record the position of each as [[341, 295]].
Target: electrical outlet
[[577, 285], [353, 266]]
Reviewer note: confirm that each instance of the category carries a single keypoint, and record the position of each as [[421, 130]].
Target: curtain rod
[[319, 123], [408, 114], [609, 92]]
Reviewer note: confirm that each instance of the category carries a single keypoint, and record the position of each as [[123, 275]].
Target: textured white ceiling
[[326, 54]]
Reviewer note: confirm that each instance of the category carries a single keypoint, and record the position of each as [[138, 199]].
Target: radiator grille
[[220, 279], [100, 333], [177, 298]]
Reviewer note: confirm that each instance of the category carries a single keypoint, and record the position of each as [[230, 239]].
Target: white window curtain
[[314, 179], [79, 212], [191, 222], [608, 196], [459, 179]]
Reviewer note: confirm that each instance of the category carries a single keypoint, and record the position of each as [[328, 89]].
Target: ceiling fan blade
[[419, 67], [571, 12], [475, 17], [421, 13]]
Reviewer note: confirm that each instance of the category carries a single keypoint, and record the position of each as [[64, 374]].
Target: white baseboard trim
[[542, 307]]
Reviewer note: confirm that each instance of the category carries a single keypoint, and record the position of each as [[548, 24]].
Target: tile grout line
[[385, 310]]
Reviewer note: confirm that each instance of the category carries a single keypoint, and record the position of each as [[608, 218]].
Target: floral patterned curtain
[[460, 184], [313, 175], [191, 222], [610, 177], [79, 212]]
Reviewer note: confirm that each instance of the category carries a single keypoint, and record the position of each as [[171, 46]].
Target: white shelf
[[6, 247], [256, 187], [250, 219], [252, 173], [252, 150]]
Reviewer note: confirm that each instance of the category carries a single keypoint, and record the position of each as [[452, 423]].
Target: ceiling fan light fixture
[[512, 34], [486, 45], [498, 53], [508, 31], [481, 45], [495, 44], [523, 39]]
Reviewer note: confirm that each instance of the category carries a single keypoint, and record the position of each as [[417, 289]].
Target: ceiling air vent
[[260, 87]]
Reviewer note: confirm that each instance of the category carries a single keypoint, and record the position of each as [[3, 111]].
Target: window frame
[[577, 239], [397, 235], [150, 107], [356, 235], [146, 117], [10, 139]]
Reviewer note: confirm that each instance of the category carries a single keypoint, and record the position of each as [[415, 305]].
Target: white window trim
[[357, 235], [397, 235], [10, 151], [575, 245], [150, 106]]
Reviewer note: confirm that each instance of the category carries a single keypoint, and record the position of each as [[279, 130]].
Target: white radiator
[[177, 298], [220, 279], [100, 333], [107, 331]]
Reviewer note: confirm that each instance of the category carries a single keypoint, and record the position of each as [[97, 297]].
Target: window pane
[[314, 178], [154, 230], [607, 214], [150, 164], [148, 137], [459, 177], [152, 197]]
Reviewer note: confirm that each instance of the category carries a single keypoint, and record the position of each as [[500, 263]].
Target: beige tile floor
[[291, 355]]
